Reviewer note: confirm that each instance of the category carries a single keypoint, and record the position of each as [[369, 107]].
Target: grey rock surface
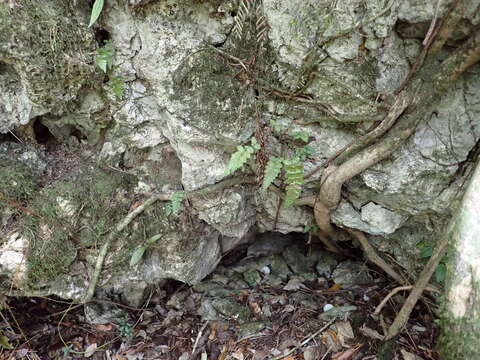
[[186, 107]]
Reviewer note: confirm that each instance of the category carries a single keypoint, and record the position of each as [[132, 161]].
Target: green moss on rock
[[17, 181], [51, 49], [217, 103], [70, 216]]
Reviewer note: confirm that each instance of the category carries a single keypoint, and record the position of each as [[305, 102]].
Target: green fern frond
[[106, 56], [175, 203], [304, 152], [294, 179], [276, 126], [117, 85], [272, 171], [241, 156], [300, 135]]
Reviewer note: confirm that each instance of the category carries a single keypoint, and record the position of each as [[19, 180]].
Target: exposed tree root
[[449, 22], [397, 290], [422, 94], [419, 287], [401, 103], [373, 256], [137, 211]]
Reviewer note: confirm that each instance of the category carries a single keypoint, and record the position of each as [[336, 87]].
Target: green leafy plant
[[106, 57], [276, 126], [300, 135], [241, 156], [274, 166], [304, 152], [138, 253], [125, 328], [175, 204], [67, 349], [426, 251], [96, 11], [117, 85], [310, 227], [294, 180], [105, 61]]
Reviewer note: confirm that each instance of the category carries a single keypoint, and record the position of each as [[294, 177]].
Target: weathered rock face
[[316, 77], [46, 57]]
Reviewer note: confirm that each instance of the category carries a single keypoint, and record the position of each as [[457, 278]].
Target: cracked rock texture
[[187, 106]]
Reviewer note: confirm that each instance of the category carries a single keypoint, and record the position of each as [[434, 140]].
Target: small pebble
[[265, 270], [327, 307]]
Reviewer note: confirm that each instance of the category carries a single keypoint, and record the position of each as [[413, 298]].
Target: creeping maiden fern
[[175, 203], [300, 135], [272, 171], [241, 156], [294, 180]]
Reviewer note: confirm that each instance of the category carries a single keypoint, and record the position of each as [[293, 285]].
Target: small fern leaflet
[[294, 180], [272, 171], [241, 156], [175, 203]]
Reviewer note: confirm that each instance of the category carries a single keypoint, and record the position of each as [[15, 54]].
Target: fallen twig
[[304, 342], [199, 335]]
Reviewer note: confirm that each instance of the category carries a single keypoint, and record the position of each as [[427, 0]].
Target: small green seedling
[[138, 253]]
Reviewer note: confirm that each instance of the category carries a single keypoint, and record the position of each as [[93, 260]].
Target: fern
[[117, 85], [244, 10], [241, 156], [272, 171], [300, 135], [106, 56], [175, 203], [276, 126], [294, 180], [250, 23], [304, 152]]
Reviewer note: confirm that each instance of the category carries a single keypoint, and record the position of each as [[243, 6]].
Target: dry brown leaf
[[135, 205], [347, 354], [409, 356], [330, 339], [335, 287], [90, 350], [257, 310], [374, 334], [344, 331], [238, 355], [213, 334], [104, 327]]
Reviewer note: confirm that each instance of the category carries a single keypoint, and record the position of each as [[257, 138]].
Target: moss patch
[[51, 49], [72, 215], [459, 338], [217, 103], [17, 182]]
